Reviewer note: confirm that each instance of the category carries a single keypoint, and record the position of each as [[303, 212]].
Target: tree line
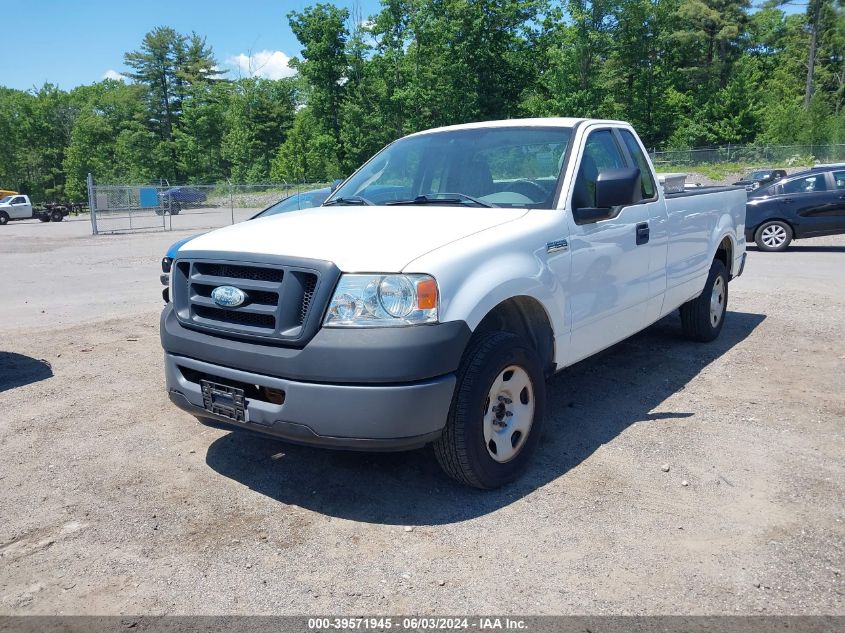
[[686, 73]]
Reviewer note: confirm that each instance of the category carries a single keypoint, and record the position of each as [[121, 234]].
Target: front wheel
[[702, 318], [496, 417], [773, 236], [4, 218]]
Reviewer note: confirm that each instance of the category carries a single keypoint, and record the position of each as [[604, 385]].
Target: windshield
[[758, 175], [501, 167], [5, 200]]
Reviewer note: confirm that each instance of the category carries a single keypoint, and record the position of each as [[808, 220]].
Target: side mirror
[[614, 188], [336, 184]]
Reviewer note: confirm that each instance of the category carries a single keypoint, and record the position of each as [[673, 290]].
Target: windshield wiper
[[348, 200], [449, 198]]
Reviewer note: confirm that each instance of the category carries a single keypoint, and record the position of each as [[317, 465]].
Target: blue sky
[[73, 42]]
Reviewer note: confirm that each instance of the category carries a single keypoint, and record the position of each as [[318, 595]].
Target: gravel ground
[[112, 501]]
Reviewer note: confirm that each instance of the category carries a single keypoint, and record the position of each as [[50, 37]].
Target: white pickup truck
[[435, 291], [19, 207]]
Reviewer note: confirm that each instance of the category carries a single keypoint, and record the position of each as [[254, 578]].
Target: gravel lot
[[112, 501]]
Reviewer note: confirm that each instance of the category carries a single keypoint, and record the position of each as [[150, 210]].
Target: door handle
[[788, 199], [643, 233]]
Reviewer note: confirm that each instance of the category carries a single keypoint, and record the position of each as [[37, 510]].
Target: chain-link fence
[[118, 208], [768, 155]]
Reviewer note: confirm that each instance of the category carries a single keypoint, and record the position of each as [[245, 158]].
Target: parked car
[[293, 202], [435, 291], [296, 201], [808, 204], [177, 198], [760, 178], [19, 207]]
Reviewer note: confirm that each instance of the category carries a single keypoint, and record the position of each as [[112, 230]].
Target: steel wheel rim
[[773, 235], [717, 301], [508, 414]]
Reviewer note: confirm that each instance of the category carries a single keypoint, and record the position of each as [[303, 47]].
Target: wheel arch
[[526, 317]]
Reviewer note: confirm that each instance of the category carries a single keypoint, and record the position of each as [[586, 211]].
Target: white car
[[435, 291]]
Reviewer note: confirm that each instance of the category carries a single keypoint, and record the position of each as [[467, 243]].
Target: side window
[[839, 179], [642, 163], [808, 184], [601, 152], [19, 200]]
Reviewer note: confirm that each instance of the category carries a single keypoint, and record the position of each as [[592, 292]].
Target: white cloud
[[113, 74], [266, 64]]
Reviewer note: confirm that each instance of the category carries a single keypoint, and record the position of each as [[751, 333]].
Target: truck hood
[[355, 238]]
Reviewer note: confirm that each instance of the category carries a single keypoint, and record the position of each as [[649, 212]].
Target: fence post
[[231, 199], [92, 203]]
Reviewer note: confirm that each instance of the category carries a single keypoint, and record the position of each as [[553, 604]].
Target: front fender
[[479, 272], [475, 295]]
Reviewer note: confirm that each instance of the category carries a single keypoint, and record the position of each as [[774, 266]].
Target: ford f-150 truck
[[435, 291]]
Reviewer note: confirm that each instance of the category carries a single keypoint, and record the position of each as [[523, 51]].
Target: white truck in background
[[435, 291], [19, 207]]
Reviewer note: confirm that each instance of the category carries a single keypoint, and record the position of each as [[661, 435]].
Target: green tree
[[322, 32], [308, 153], [259, 115]]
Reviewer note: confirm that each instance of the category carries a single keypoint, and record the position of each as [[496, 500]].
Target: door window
[[601, 152], [19, 200], [839, 179], [645, 172], [808, 184]]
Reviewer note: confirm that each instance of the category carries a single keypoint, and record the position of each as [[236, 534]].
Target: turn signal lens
[[427, 294]]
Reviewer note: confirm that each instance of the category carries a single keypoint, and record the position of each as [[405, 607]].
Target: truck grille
[[280, 304]]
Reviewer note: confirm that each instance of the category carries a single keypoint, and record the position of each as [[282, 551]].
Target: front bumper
[[385, 389], [360, 417]]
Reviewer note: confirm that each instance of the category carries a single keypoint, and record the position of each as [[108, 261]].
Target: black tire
[[4, 218], [44, 217], [56, 216], [175, 208], [462, 450], [697, 319], [773, 236]]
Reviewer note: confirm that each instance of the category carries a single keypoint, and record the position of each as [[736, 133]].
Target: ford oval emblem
[[228, 296]]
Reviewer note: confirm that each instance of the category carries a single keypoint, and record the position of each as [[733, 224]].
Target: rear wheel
[[44, 217], [175, 208], [496, 417], [702, 318], [773, 236], [4, 218], [56, 216]]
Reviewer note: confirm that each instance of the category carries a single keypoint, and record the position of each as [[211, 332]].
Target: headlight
[[166, 279], [383, 301]]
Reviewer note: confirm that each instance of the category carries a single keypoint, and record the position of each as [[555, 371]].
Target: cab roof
[[534, 122]]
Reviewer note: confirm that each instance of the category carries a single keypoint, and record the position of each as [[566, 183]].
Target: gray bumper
[[363, 417]]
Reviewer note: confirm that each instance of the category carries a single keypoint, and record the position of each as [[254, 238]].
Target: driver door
[[608, 287], [20, 208]]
